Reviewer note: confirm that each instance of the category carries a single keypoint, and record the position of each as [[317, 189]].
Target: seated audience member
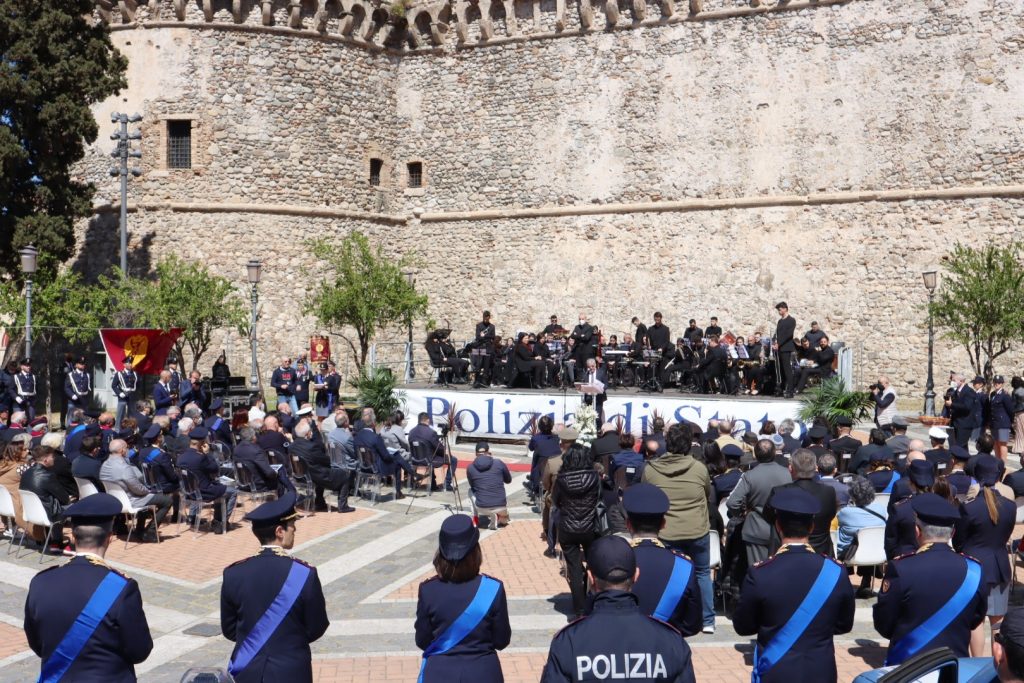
[[312, 452], [117, 470], [827, 471], [389, 463], [40, 480], [272, 437], [863, 511], [487, 478], [249, 455], [424, 434], [198, 460], [627, 458], [13, 463], [88, 464], [61, 465]]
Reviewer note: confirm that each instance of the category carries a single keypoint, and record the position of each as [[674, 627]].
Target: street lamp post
[[28, 267], [411, 279], [122, 153], [931, 279], [253, 268]]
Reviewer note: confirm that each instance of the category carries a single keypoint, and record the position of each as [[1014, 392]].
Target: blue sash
[[674, 589], [85, 625], [466, 622], [892, 482], [152, 455], [271, 619], [216, 424], [911, 644], [787, 636], [76, 430]]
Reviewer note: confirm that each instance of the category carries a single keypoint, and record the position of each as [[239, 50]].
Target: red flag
[[148, 348]]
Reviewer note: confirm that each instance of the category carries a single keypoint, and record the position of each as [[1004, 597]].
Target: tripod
[[446, 455], [653, 383]]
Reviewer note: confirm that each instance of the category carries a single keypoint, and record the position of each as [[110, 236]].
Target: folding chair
[[193, 498], [247, 483], [870, 549], [300, 477], [34, 513], [9, 515], [129, 510], [369, 472]]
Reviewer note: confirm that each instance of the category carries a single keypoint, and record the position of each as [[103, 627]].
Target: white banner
[[508, 414]]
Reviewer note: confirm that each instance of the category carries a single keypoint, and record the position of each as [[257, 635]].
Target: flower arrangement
[[585, 423]]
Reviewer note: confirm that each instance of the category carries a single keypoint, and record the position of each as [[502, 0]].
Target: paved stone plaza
[[370, 563]]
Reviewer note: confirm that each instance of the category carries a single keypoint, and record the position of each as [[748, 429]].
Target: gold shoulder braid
[[637, 541], [925, 547]]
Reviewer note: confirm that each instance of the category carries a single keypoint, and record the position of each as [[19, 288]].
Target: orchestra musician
[[785, 344], [641, 333], [543, 351], [553, 328], [527, 361], [681, 360], [713, 330], [442, 354], [660, 338], [822, 367], [713, 366], [693, 332], [568, 362], [753, 366], [483, 344], [583, 335]]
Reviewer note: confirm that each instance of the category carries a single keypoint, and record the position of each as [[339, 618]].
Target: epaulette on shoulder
[[972, 559], [829, 557], [492, 577], [50, 569], [241, 561], [766, 561], [303, 562], [572, 623], [432, 578], [901, 502], [681, 554], [663, 623], [904, 556]]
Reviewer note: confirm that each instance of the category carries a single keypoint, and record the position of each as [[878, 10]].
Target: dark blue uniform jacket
[[655, 562], [475, 658], [977, 537]]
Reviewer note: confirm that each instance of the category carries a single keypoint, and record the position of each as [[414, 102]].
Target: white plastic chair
[[10, 516], [1020, 509], [34, 513], [85, 488], [715, 549], [883, 499], [723, 511], [870, 549], [835, 538], [115, 489]]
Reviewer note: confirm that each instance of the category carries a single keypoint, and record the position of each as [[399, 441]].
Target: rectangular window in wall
[[415, 173], [376, 166], [179, 144]]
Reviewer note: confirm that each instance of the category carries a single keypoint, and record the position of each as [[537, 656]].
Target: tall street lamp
[[411, 279], [253, 268], [931, 280], [28, 267], [123, 152]]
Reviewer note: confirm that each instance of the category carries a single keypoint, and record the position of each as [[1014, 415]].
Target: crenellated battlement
[[405, 26]]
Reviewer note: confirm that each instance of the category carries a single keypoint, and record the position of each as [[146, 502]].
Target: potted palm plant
[[832, 400]]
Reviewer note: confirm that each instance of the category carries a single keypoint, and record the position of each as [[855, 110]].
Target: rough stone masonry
[[699, 158]]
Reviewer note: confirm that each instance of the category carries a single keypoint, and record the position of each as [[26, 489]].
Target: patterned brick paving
[[12, 641], [514, 555], [199, 558]]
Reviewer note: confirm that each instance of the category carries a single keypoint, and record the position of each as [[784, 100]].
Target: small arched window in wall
[[415, 171], [376, 166]]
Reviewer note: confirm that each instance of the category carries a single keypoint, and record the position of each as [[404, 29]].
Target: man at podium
[[594, 387]]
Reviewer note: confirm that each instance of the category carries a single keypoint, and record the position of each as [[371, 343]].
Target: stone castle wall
[[697, 160]]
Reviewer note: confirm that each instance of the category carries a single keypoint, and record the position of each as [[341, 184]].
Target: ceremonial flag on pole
[[148, 348]]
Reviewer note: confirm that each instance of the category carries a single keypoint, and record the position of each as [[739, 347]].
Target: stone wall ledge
[[274, 209], [684, 205]]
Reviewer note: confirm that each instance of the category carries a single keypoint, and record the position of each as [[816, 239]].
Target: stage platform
[[505, 413]]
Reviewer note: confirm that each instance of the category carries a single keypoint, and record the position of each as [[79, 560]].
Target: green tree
[[364, 290], [980, 303], [54, 63], [186, 295]]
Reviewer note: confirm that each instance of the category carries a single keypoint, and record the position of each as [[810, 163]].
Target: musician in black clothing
[[483, 344], [823, 358], [693, 332], [527, 361], [641, 333], [786, 346], [713, 330], [681, 360], [440, 356], [661, 340], [553, 327], [542, 350], [753, 370], [713, 366], [583, 334]]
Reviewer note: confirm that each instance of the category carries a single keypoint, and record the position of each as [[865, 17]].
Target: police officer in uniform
[[124, 385], [78, 387], [25, 390], [616, 640], [268, 648], [461, 614], [113, 625], [933, 597], [219, 425], [900, 527], [795, 601], [667, 588]]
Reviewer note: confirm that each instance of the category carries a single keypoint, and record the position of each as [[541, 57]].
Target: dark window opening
[[376, 166], [415, 173], [179, 144]]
